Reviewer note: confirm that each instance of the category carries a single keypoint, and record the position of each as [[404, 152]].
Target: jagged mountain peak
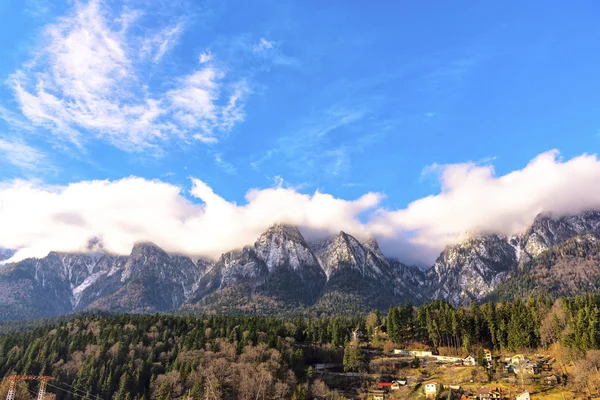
[[472, 268], [284, 246], [348, 239], [344, 251], [493, 247], [279, 266], [547, 230], [287, 231], [145, 249], [356, 273], [372, 244]]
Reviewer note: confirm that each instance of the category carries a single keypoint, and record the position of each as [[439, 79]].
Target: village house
[[489, 394], [509, 368], [523, 396], [551, 380], [527, 367], [384, 385], [431, 389], [397, 384], [413, 353], [487, 355], [531, 368], [469, 360], [517, 359]]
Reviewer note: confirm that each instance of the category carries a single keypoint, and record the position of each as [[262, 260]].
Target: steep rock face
[[27, 293], [52, 285], [78, 271], [279, 267], [238, 267], [150, 280], [294, 272], [547, 231], [104, 280], [410, 283], [471, 269], [474, 268], [342, 253], [355, 269]]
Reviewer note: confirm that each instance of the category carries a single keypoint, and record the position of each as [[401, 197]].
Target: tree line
[[506, 326], [257, 357]]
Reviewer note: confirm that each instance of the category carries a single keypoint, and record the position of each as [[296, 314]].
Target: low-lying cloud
[[35, 219]]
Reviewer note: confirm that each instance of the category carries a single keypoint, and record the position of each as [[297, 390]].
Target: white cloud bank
[[37, 219], [91, 78]]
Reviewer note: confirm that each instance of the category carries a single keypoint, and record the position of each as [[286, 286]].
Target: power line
[[16, 379], [82, 391], [36, 394], [68, 391], [27, 387]]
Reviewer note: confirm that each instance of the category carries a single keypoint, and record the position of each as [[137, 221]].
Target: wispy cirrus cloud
[[326, 142], [22, 155], [88, 79], [255, 54], [224, 165], [263, 45], [157, 45]]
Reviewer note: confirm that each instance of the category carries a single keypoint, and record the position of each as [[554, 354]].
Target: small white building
[[523, 396], [517, 359], [397, 384], [431, 389], [469, 360], [413, 353]]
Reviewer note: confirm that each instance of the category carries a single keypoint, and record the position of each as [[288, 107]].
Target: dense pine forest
[[251, 357]]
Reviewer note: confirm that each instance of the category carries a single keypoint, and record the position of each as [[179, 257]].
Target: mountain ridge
[[282, 271]]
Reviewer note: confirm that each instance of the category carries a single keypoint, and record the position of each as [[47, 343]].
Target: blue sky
[[349, 98], [341, 97]]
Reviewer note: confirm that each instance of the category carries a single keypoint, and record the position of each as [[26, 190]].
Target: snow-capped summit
[[474, 267], [284, 245], [354, 269], [343, 251], [281, 270]]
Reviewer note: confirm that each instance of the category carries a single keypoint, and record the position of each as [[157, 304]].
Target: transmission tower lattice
[[14, 379]]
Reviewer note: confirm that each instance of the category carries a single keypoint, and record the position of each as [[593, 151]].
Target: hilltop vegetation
[[248, 357]]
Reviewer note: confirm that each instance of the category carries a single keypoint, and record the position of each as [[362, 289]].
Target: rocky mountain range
[[474, 268], [281, 272]]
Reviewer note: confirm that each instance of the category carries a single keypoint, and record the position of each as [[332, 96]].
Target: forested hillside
[[248, 357], [164, 357], [568, 269]]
